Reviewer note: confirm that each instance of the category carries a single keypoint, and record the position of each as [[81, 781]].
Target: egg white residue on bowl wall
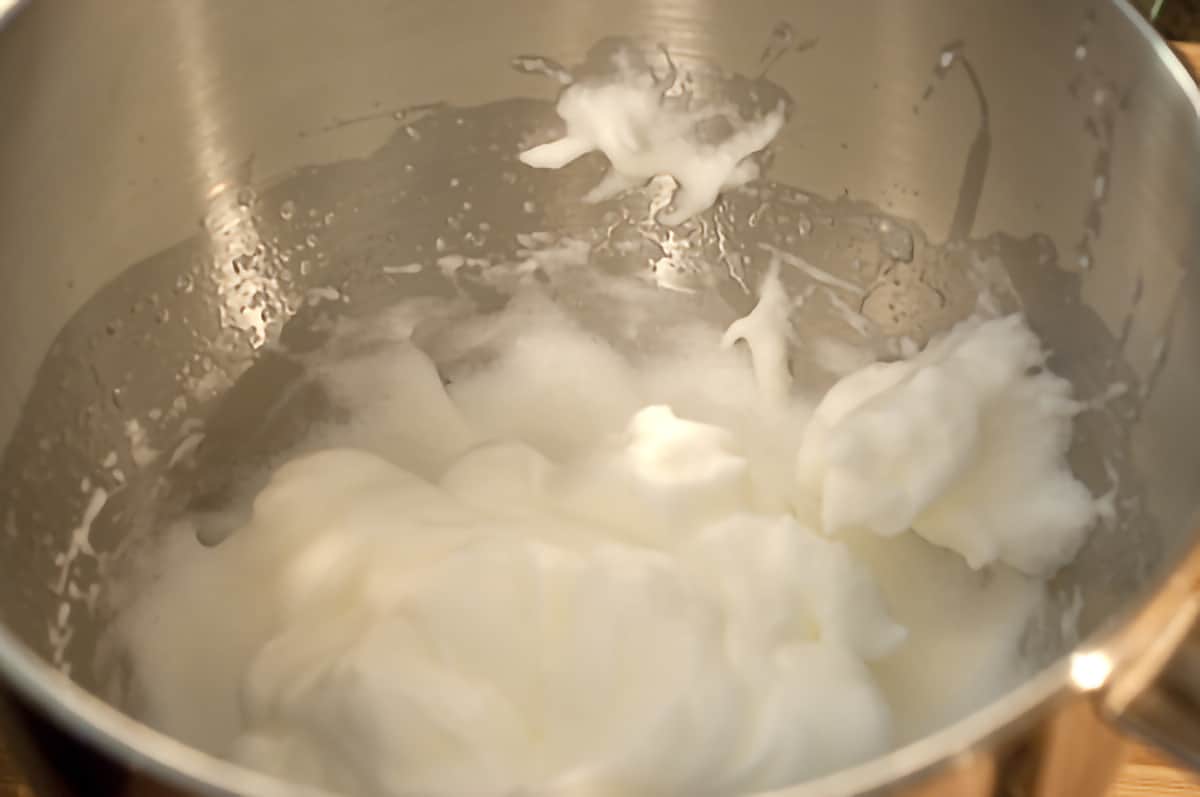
[[538, 554], [649, 125]]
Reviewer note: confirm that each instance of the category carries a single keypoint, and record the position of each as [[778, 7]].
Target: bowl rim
[[138, 746]]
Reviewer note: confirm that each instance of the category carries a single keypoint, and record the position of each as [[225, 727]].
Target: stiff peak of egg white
[[965, 444]]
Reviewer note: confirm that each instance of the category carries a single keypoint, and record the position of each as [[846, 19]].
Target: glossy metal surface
[[150, 149]]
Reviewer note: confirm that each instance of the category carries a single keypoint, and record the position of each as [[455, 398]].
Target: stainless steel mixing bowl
[[189, 188]]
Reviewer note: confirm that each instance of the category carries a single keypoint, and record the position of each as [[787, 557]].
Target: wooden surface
[[10, 783], [1189, 52], [1145, 774]]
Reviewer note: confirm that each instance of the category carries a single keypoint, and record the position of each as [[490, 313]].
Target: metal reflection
[[246, 274], [1090, 670]]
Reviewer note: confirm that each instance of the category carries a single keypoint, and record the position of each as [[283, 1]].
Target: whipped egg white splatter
[[650, 125]]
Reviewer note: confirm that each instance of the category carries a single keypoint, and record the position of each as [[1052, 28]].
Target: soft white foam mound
[[544, 560]]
